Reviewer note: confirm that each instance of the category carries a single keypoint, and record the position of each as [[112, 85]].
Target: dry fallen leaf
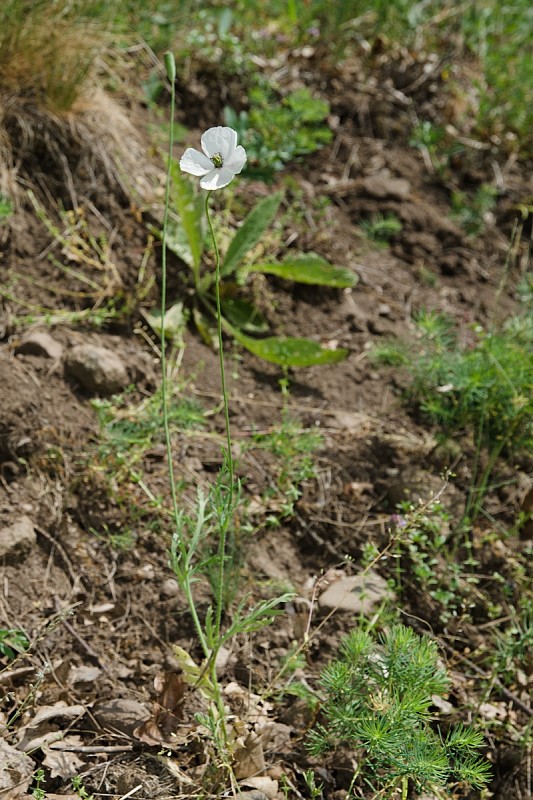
[[84, 674], [16, 772], [47, 725], [62, 764], [164, 725], [249, 759], [268, 786], [122, 714]]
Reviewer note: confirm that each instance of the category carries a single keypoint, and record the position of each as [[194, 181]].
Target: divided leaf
[[250, 232], [311, 269]]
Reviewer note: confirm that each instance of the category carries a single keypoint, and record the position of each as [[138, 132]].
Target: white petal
[[217, 178], [219, 140], [237, 161], [194, 162]]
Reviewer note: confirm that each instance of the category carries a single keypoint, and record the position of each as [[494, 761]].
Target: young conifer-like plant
[[377, 698]]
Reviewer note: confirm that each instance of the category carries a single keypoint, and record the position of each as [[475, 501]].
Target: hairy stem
[[164, 389], [227, 521]]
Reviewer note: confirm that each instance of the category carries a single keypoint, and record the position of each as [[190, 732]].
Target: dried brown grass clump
[[48, 48], [60, 134], [91, 151]]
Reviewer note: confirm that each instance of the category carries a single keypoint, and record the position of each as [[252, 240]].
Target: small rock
[[17, 539], [354, 490], [145, 573], [40, 343], [170, 588], [444, 706], [356, 593], [382, 186], [97, 369]]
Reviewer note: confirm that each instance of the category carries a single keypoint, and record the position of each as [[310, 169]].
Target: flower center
[[217, 160]]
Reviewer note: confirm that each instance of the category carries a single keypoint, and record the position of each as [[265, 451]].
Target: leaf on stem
[[189, 206], [309, 268], [244, 315], [290, 352], [250, 232]]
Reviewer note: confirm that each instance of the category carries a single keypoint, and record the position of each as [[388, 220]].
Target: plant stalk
[[229, 457], [164, 388]]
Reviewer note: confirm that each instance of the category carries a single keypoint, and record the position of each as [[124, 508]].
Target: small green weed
[[79, 788], [6, 207], [38, 791], [377, 698], [292, 448], [88, 277], [13, 642], [436, 146], [381, 229], [483, 388], [121, 540], [473, 211], [514, 646], [128, 430], [278, 132], [315, 790], [425, 551]]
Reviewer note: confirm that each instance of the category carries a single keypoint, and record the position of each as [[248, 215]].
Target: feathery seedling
[[377, 697]]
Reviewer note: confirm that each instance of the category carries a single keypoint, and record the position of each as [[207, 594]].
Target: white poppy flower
[[221, 160]]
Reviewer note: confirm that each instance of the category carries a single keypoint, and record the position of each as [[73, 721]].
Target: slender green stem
[[479, 491], [164, 388], [164, 392], [229, 458], [211, 647]]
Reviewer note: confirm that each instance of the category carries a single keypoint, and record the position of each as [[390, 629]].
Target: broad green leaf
[[309, 269], [289, 352], [176, 241], [175, 321], [189, 206], [250, 232], [243, 315]]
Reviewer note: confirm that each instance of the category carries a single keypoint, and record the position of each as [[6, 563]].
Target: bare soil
[[103, 619]]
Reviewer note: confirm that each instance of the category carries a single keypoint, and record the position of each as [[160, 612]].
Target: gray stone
[[383, 187], [17, 539], [40, 343], [356, 593], [97, 369], [170, 588]]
